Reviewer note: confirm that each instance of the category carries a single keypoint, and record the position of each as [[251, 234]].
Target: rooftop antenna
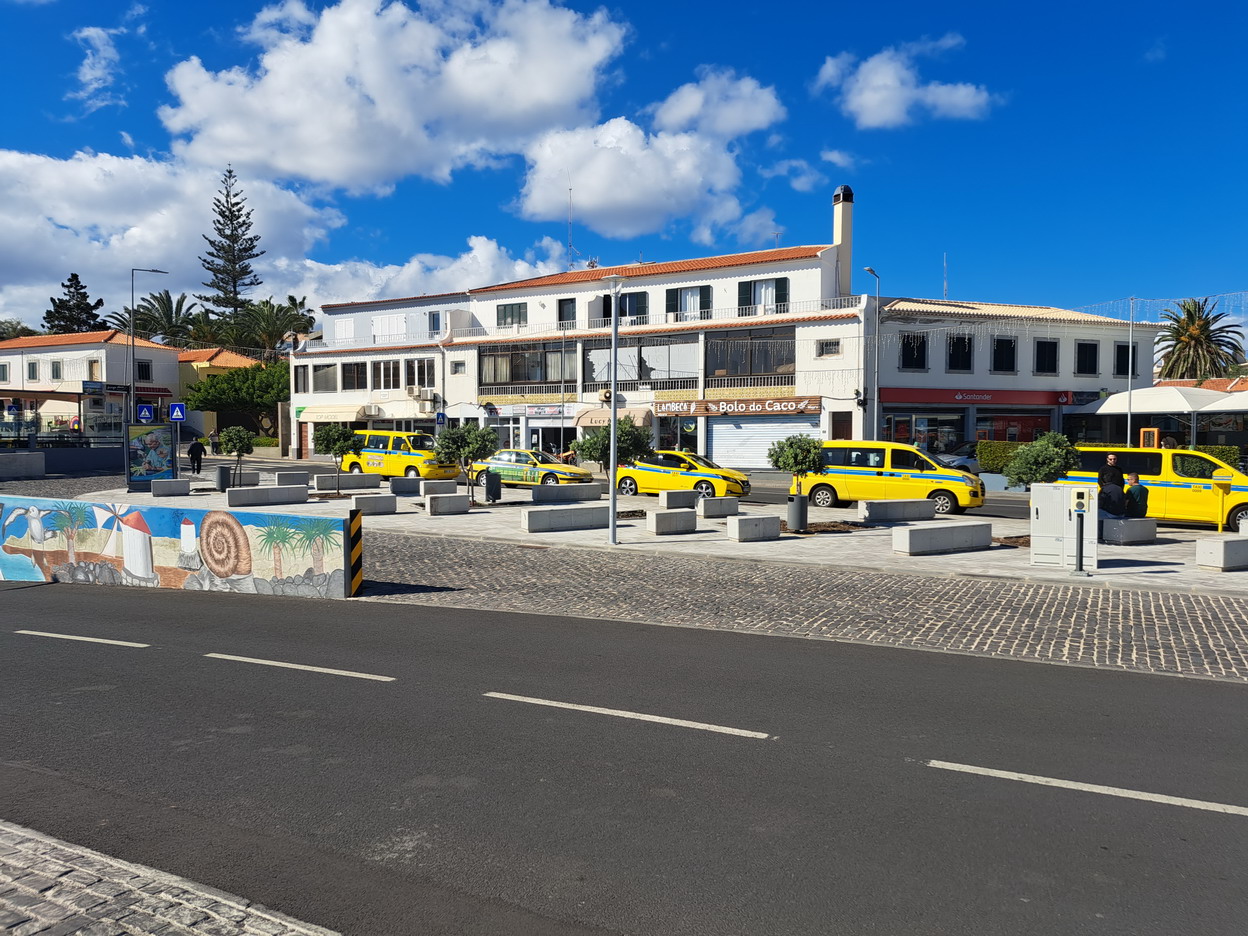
[[776, 235], [946, 256], [569, 227]]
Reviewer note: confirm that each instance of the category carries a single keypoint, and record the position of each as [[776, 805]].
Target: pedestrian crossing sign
[[177, 412], [147, 412]]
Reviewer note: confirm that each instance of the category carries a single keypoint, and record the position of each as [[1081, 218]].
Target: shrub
[[1041, 462], [338, 441], [631, 442], [1223, 453], [799, 455], [994, 455], [237, 441], [464, 445], [266, 442]]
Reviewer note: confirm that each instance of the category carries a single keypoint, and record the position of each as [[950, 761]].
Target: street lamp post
[[130, 318], [875, 367], [1130, 363], [614, 281]]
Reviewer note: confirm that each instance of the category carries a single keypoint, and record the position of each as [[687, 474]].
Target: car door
[[1191, 495], [528, 468], [400, 456], [863, 472], [376, 450], [905, 469]]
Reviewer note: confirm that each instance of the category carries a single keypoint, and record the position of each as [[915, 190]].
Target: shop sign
[[117, 388], [785, 406], [94, 387], [976, 397], [548, 409]]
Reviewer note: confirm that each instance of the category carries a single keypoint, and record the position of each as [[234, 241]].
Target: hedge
[[994, 455], [1229, 454], [265, 442]]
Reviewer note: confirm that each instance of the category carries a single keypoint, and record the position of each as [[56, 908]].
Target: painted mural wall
[[44, 540]]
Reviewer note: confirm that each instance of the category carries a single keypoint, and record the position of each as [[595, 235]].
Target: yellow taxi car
[[529, 466], [857, 471], [668, 470], [399, 453], [1182, 485]]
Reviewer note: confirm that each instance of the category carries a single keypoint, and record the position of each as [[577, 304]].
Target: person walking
[[214, 439], [195, 451], [1137, 497]]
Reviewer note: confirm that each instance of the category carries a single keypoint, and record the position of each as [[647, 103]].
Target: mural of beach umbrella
[[108, 517]]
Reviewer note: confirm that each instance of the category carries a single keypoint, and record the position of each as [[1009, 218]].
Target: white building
[[723, 355]]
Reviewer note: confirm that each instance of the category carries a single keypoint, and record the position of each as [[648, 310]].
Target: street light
[[875, 376], [1130, 364], [130, 401], [614, 280]]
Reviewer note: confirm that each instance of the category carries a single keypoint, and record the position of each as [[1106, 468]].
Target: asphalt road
[[417, 803]]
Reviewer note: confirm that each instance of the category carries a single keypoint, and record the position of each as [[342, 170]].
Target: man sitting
[[1136, 497]]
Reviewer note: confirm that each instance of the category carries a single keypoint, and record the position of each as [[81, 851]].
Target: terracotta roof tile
[[996, 310], [110, 336], [218, 357], [1225, 384]]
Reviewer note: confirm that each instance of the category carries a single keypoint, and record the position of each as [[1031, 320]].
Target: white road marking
[[1093, 788], [115, 643], [300, 666], [639, 716]]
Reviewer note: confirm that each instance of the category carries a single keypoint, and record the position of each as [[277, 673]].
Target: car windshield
[[544, 459], [704, 462], [421, 441]]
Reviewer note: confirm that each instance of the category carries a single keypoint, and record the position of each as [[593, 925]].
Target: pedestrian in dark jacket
[[1110, 473], [196, 452]]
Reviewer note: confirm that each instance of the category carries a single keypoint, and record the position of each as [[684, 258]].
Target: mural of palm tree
[[1193, 343], [315, 535], [277, 535], [69, 517]]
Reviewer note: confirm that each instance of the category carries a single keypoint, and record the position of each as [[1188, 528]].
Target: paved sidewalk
[[52, 888]]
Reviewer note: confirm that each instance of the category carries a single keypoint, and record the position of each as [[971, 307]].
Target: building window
[[344, 329], [567, 313], [536, 363], [143, 371], [435, 323], [459, 367], [324, 378], [913, 351], [513, 313], [633, 305], [961, 353], [355, 376], [765, 296], [385, 375], [389, 327], [1004, 355], [758, 351], [1087, 358], [57, 370], [32, 370], [419, 372], [93, 370], [4, 373], [688, 302], [1046, 356], [830, 347], [301, 378], [1120, 359]]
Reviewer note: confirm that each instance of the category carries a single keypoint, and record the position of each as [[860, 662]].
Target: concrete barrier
[[670, 500], [406, 487], [441, 505], [349, 482], [557, 493], [942, 536], [375, 503], [171, 487], [244, 478], [22, 465], [896, 511], [573, 517], [1223, 554], [753, 529], [258, 496], [292, 477], [663, 522], [716, 506], [438, 487], [1126, 532]]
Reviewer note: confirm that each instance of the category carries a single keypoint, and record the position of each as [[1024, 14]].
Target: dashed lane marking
[[300, 666], [115, 643], [638, 716]]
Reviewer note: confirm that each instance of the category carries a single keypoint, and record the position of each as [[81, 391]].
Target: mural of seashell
[[223, 545]]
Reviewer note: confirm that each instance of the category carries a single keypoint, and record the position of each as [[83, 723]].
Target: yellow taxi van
[[670, 470], [857, 471], [1182, 484], [399, 453]]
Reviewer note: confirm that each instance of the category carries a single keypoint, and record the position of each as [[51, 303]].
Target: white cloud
[[885, 90], [372, 92], [802, 176], [626, 182], [719, 105], [99, 66], [839, 158], [758, 228], [1157, 52]]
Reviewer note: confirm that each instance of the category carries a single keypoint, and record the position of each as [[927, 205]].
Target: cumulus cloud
[[802, 176], [839, 158], [885, 90], [758, 228], [719, 104], [99, 67], [369, 91]]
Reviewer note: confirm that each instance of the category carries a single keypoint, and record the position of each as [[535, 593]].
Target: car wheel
[[704, 489], [412, 473], [1238, 520], [946, 503], [627, 487], [823, 496], [357, 469], [549, 479]]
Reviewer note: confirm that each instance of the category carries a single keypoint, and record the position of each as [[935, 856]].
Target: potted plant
[[465, 445], [238, 442], [338, 441], [799, 455]]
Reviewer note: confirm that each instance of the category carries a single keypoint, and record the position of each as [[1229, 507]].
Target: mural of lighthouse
[[136, 552]]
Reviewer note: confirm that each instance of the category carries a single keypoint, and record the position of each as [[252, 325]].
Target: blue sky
[[1064, 154]]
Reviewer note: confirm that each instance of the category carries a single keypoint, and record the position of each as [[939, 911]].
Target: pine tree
[[230, 252], [75, 313]]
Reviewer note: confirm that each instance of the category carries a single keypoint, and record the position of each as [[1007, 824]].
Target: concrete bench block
[[557, 493], [1222, 554], [245, 478], [1126, 532], [753, 529], [575, 517], [438, 487], [171, 487], [261, 496], [896, 511], [22, 465], [292, 477], [670, 500], [664, 522], [346, 482], [441, 505], [942, 536], [408, 487], [716, 507], [375, 503]]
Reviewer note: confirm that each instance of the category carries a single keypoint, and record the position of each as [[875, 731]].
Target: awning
[[329, 414], [152, 391], [601, 416]]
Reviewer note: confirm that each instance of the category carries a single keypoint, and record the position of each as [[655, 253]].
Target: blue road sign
[[177, 412], [147, 412], [11, 409], [441, 419]]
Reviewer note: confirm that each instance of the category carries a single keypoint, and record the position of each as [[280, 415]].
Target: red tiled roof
[[343, 305], [111, 336], [218, 357], [1225, 384]]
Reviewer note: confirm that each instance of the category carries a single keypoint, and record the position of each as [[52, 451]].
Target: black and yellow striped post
[[355, 554]]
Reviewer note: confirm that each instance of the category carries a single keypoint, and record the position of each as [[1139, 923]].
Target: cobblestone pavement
[[56, 889], [1153, 632]]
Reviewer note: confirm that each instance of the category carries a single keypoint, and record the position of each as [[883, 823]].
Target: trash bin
[[493, 484], [223, 477], [798, 504]]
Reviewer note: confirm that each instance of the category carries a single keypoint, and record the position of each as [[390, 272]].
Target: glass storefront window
[[678, 432], [1011, 427], [931, 432]]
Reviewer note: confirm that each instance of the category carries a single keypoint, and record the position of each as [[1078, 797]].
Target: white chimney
[[843, 237]]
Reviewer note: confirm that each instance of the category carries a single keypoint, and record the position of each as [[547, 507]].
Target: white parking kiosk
[[1058, 513]]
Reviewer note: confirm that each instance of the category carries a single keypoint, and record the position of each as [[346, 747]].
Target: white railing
[[376, 341]]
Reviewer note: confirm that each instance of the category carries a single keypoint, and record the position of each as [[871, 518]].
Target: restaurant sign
[[785, 406]]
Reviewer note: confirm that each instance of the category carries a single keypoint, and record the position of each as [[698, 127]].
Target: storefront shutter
[[736, 442]]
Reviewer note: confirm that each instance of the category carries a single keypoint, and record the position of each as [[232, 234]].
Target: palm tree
[[69, 517], [207, 328], [1193, 344], [267, 323], [275, 536], [315, 535], [160, 314]]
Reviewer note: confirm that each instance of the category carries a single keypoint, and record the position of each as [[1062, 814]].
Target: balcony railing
[[750, 380]]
